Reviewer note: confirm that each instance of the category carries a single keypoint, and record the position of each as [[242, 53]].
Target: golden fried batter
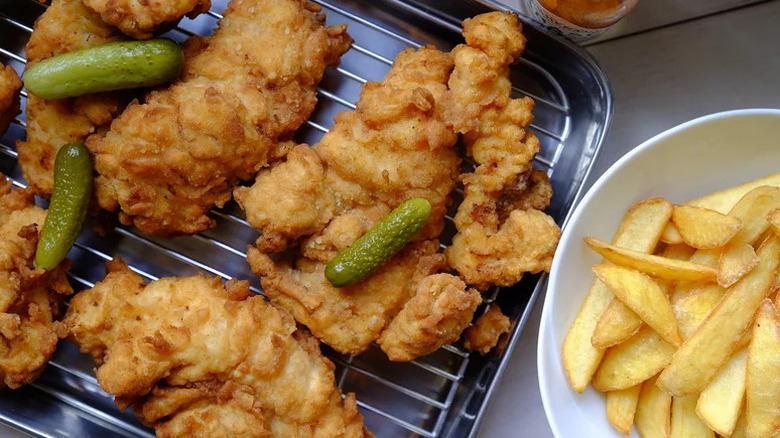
[[142, 19], [10, 86], [198, 358], [436, 315], [483, 335], [30, 297], [501, 232], [167, 161], [67, 25], [393, 147]]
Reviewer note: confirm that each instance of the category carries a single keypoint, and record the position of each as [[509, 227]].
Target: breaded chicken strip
[[196, 358], [10, 86], [167, 161], [67, 25], [141, 19], [393, 147], [483, 335], [30, 297], [501, 232]]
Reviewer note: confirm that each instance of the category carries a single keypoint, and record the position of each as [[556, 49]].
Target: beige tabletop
[[669, 61]]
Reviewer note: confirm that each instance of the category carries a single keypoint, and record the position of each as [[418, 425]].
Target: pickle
[[68, 207], [360, 259], [113, 66]]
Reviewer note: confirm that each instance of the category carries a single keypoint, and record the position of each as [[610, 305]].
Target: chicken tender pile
[[30, 297], [502, 232], [67, 25], [142, 19], [393, 147], [10, 86], [194, 357], [167, 161]]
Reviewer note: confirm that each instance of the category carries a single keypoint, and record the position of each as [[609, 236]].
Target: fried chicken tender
[[30, 297], [167, 161], [196, 357], [67, 25], [10, 86], [142, 19], [483, 335], [436, 315], [393, 147], [501, 231]]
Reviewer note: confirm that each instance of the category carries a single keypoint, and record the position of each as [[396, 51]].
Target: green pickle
[[68, 207], [113, 66], [366, 254]]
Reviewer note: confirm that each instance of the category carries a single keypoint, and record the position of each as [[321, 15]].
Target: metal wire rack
[[443, 394]]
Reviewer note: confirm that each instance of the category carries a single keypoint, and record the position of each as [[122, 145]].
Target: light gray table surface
[[669, 61]]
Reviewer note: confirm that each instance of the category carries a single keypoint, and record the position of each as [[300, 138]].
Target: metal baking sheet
[[441, 395]]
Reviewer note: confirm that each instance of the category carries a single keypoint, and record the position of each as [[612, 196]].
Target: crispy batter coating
[[501, 233], [393, 147], [67, 25], [195, 357], [143, 19], [436, 315], [30, 297], [167, 161], [10, 86], [483, 335]]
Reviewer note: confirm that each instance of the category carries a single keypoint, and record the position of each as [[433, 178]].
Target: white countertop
[[669, 61]]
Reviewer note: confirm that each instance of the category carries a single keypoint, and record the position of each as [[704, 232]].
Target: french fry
[[639, 230], [653, 265], [752, 210], [707, 257], [762, 393], [723, 200], [653, 411], [773, 218], [700, 357], [693, 308], [736, 260], [720, 403], [671, 235], [642, 295], [621, 407], [634, 361], [678, 251], [740, 428], [704, 228], [685, 422]]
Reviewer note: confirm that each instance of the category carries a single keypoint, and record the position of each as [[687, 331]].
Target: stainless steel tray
[[441, 395]]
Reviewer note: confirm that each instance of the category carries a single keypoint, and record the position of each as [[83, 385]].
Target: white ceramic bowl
[[695, 158]]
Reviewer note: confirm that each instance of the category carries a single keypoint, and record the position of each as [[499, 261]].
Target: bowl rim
[[543, 343]]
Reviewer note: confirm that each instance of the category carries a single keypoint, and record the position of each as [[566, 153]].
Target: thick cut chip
[[762, 392], [685, 422], [736, 260], [773, 218], [704, 228], [720, 403], [753, 210], [634, 361], [702, 355], [640, 229], [678, 251], [671, 235], [723, 200], [693, 308], [740, 428], [656, 266], [621, 407], [653, 411], [642, 295]]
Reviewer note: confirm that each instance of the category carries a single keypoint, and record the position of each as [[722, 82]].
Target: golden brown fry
[[621, 407], [685, 423], [441, 308], [704, 228], [633, 361], [694, 307], [762, 393], [671, 235], [720, 403], [483, 335], [736, 260], [142, 19], [194, 357], [168, 160], [10, 86], [639, 230], [653, 411], [30, 297], [67, 25], [722, 201]]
